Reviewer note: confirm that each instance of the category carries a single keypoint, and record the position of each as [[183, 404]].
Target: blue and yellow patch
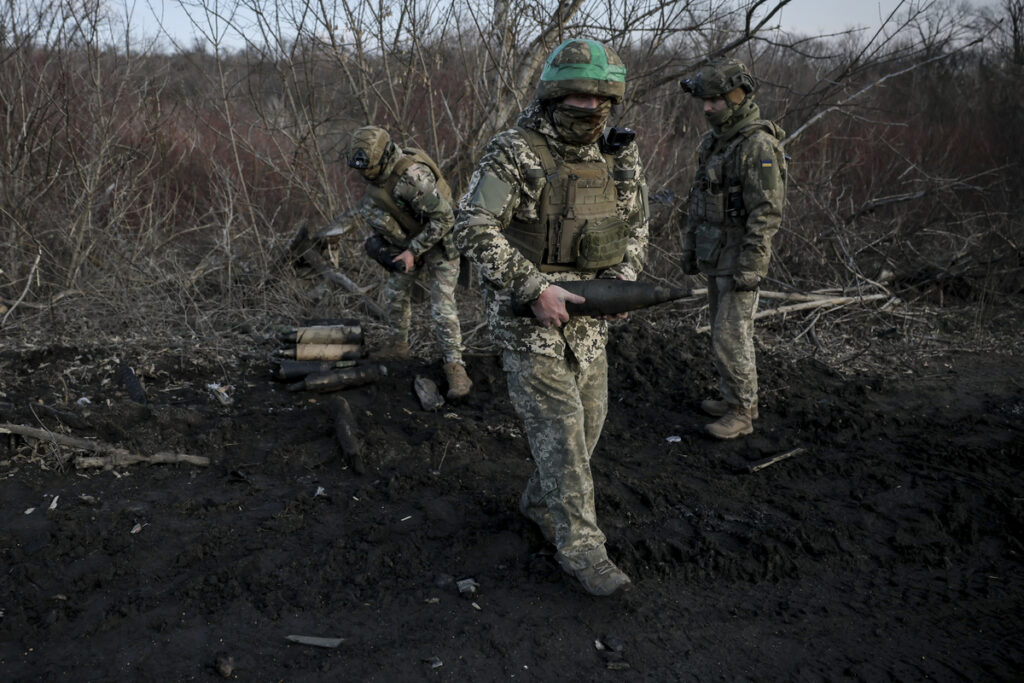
[[769, 176]]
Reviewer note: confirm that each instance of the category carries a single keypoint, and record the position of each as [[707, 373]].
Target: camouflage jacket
[[417, 191], [506, 273], [736, 200]]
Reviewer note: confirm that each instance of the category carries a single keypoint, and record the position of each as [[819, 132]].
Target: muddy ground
[[889, 548]]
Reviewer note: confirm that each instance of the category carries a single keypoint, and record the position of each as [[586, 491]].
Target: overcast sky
[[810, 17], [829, 16]]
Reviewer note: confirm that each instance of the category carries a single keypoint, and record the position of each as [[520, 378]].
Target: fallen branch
[[808, 305], [761, 464], [113, 455]]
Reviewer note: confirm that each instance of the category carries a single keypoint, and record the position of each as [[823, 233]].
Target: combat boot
[[392, 351], [718, 408], [735, 422], [596, 573], [459, 382]]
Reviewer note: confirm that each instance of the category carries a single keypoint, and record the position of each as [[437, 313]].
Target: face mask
[[579, 126], [718, 119]]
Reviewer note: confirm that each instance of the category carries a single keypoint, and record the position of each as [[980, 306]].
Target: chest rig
[[383, 195], [577, 225], [716, 197]]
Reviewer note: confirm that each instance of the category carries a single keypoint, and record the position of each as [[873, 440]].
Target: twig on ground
[[808, 305], [767, 462], [114, 456]]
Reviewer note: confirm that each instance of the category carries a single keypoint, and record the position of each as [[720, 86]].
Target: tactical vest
[[383, 195], [577, 224], [716, 197]]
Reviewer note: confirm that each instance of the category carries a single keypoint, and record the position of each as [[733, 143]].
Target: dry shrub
[[163, 189]]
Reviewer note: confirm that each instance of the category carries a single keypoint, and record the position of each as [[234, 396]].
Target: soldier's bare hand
[[408, 259], [549, 308]]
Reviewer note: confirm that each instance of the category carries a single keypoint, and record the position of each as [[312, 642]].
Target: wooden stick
[[761, 464], [115, 456], [808, 305]]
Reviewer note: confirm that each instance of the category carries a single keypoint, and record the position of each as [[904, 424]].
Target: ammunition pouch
[[708, 239], [715, 207], [602, 243], [577, 225]]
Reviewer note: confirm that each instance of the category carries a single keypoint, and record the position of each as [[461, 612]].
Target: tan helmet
[[581, 66], [719, 78], [367, 148]]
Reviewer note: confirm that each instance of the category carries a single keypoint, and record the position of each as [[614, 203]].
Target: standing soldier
[[550, 201], [410, 207], [735, 208]]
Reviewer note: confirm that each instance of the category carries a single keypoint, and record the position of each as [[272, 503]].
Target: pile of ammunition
[[324, 356]]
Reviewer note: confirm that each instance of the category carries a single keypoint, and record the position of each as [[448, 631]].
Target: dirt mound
[[890, 546]]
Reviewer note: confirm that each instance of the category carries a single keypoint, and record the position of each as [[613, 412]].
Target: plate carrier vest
[[383, 195], [577, 224]]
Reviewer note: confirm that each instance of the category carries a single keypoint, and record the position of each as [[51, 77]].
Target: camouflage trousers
[[443, 275], [732, 341], [563, 410]]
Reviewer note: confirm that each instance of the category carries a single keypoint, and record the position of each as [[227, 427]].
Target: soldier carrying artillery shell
[[552, 201]]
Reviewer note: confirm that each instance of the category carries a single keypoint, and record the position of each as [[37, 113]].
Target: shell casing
[[297, 369], [346, 378], [610, 297], [324, 334], [322, 352]]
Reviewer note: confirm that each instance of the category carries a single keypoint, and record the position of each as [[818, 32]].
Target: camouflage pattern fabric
[[746, 157], [563, 408], [507, 182], [557, 377], [417, 190], [443, 276], [732, 341], [742, 161]]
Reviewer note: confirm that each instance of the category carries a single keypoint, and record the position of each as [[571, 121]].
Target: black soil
[[889, 547]]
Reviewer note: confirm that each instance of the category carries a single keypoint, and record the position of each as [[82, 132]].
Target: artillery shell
[[345, 378], [298, 369], [321, 352], [320, 322], [611, 297], [345, 433], [324, 334]]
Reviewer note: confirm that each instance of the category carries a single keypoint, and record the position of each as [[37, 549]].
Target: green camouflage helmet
[[718, 78], [582, 67], [367, 147]]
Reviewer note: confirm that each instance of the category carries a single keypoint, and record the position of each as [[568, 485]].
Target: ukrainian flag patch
[[768, 174]]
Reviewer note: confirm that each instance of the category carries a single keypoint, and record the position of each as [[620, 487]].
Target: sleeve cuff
[[529, 287]]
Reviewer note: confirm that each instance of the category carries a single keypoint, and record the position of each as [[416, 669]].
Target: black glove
[[690, 263], [745, 282]]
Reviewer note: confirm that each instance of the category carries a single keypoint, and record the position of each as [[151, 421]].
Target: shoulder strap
[[417, 155], [539, 144], [403, 164]]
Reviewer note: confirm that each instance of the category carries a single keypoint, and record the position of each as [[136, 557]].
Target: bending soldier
[[735, 208], [409, 207], [547, 203]]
